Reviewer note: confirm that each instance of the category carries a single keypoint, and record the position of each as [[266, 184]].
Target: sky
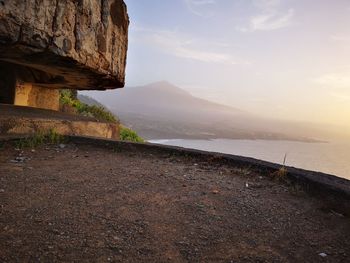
[[284, 59]]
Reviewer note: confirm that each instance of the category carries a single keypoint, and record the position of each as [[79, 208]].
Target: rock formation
[[76, 44]]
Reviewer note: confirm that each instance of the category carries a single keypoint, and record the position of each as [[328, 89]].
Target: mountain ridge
[[161, 110]]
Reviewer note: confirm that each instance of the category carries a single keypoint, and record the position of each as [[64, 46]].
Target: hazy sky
[[286, 59]]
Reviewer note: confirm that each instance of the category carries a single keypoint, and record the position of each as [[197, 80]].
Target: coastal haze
[[165, 114], [269, 72], [163, 111], [281, 59]]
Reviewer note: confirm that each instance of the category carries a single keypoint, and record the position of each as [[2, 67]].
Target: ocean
[[331, 157]]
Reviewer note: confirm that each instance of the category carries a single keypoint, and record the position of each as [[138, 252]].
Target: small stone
[[2, 190], [323, 254], [336, 213], [62, 146], [18, 159], [246, 185], [215, 191]]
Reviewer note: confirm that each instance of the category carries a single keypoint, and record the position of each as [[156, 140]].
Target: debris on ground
[[138, 205]]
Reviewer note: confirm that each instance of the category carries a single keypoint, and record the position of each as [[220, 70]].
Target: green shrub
[[67, 97], [127, 134], [40, 138], [97, 112]]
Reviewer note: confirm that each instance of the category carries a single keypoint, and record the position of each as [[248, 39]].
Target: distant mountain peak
[[166, 87], [160, 83]]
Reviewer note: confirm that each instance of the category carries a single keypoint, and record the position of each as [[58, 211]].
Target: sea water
[[331, 157]]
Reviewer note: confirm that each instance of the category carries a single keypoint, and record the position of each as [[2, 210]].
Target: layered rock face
[[76, 44]]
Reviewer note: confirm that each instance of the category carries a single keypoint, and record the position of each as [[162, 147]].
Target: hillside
[[89, 101], [163, 111]]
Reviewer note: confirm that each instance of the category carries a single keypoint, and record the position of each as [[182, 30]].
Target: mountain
[[90, 101], [163, 111]]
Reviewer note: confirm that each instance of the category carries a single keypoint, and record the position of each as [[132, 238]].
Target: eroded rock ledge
[[65, 43]]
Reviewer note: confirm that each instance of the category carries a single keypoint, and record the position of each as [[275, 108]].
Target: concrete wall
[[29, 126], [27, 94]]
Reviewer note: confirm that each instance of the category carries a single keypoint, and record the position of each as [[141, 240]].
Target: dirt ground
[[81, 203]]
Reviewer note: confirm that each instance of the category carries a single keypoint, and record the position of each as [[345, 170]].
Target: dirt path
[[85, 203]]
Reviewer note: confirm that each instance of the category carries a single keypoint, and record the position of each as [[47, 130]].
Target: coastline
[[318, 157]]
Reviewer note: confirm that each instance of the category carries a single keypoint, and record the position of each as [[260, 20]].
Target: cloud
[[202, 8], [269, 17], [202, 2], [271, 21], [178, 45], [336, 85], [266, 4], [341, 38], [340, 81], [257, 100], [342, 97]]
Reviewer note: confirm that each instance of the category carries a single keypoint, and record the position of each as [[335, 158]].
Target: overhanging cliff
[[64, 43]]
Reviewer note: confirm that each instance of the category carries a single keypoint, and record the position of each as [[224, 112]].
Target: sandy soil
[[92, 204]]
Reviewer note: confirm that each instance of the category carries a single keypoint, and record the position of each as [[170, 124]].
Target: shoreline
[[320, 182], [238, 139], [314, 157]]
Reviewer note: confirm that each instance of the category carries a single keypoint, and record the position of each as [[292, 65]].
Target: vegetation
[[97, 112], [127, 134], [282, 172], [40, 138]]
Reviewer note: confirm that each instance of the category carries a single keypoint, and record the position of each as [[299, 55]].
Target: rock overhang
[[65, 43]]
